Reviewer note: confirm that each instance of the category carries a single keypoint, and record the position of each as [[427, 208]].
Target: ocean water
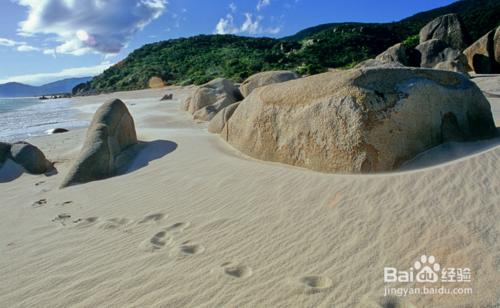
[[22, 118]]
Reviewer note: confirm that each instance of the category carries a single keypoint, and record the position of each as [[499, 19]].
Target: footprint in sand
[[178, 227], [152, 218], [314, 284], [39, 203], [158, 241], [114, 223], [65, 203], [85, 222], [188, 249], [236, 270], [39, 183], [62, 218]]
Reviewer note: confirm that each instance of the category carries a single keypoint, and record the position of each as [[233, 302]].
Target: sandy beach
[[194, 223]]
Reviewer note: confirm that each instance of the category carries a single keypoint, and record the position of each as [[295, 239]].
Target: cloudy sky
[[46, 40]]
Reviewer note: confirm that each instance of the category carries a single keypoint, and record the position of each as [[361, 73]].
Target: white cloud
[[251, 25], [233, 7], [8, 43], [226, 26], [43, 78], [84, 26], [262, 4], [27, 48]]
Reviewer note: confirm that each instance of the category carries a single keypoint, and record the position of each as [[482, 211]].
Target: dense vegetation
[[201, 58]]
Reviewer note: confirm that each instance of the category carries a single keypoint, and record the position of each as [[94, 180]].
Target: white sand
[[199, 225]]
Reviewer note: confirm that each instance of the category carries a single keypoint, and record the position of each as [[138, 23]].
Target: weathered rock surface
[[377, 63], [210, 98], [483, 56], [265, 78], [111, 132], [361, 120], [448, 29], [436, 51], [397, 53], [30, 158], [453, 66], [217, 124]]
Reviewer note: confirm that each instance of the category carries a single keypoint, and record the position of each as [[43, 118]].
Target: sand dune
[[200, 225]]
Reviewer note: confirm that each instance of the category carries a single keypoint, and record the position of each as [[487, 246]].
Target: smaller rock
[[30, 158], [453, 66], [265, 78], [59, 131], [217, 124], [397, 53], [435, 51], [167, 97]]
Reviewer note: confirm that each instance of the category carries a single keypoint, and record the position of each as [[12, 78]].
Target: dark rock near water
[[30, 158]]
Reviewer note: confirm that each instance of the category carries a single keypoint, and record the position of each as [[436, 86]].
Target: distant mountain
[[201, 58], [15, 89]]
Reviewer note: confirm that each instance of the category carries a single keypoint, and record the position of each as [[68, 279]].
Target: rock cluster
[[26, 155], [361, 120]]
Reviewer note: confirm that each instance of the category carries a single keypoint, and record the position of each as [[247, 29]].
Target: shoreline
[[201, 224]]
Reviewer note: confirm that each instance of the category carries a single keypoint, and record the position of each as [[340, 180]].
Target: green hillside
[[202, 58]]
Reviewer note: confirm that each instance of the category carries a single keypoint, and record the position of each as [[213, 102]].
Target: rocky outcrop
[[448, 29], [110, 134], [217, 124], [453, 66], [30, 158], [361, 120], [483, 56], [210, 98], [265, 78]]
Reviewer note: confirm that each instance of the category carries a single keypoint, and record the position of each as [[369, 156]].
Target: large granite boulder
[[217, 124], [448, 29], [483, 56], [208, 99], [30, 158], [265, 78], [360, 120], [110, 134], [377, 63]]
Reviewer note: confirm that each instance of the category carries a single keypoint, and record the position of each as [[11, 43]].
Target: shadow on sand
[[140, 155], [10, 171]]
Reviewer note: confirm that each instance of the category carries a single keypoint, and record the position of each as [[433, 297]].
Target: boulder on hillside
[[156, 82], [360, 120], [111, 132], [265, 78], [217, 124], [210, 98], [483, 56], [30, 158], [448, 29]]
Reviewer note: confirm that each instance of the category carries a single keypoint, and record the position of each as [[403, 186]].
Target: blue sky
[[47, 40]]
